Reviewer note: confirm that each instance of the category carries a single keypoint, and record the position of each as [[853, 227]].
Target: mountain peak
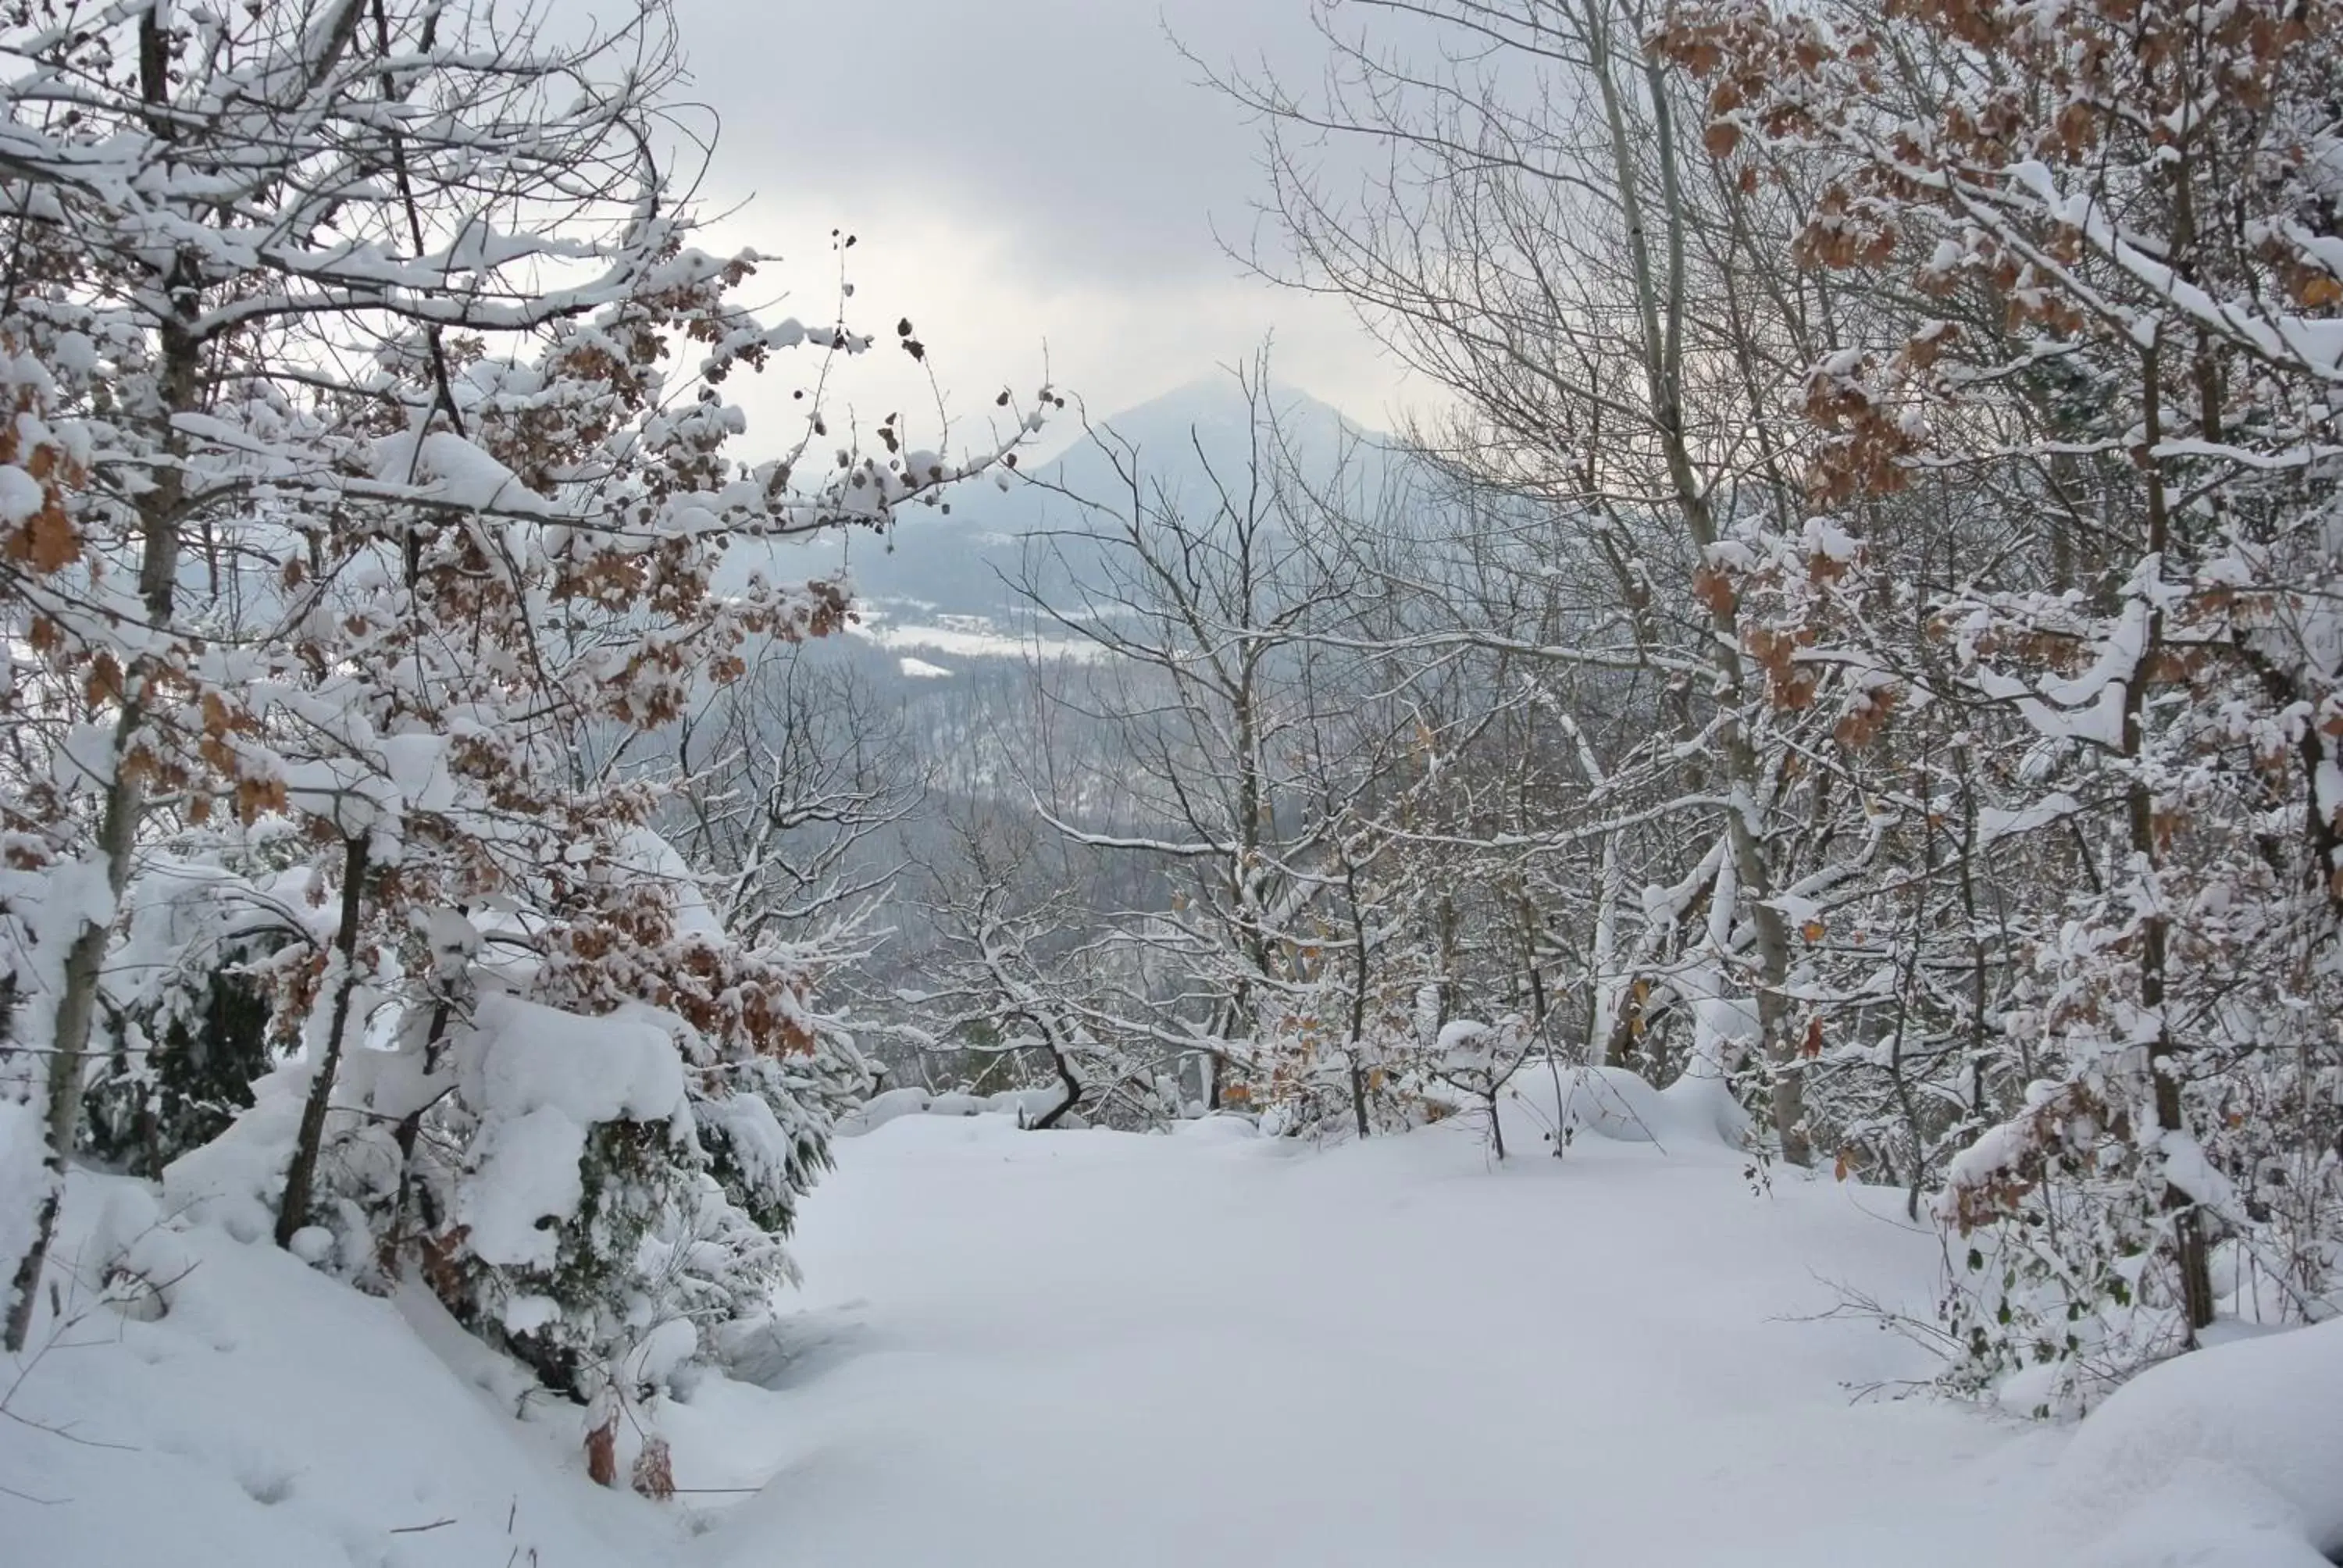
[[1219, 401]]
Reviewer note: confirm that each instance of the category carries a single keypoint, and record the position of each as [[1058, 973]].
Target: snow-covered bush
[[368, 501], [191, 1011], [1475, 1064], [575, 1152]]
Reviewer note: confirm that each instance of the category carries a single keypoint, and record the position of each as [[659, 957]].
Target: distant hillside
[[936, 588]]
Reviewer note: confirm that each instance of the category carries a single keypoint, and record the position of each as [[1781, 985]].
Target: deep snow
[[1076, 1348], [1088, 1347]]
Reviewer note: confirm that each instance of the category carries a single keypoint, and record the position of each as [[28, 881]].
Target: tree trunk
[[69, 1045], [301, 1176], [1073, 1087], [1660, 303], [2189, 1230], [158, 567], [410, 1131]]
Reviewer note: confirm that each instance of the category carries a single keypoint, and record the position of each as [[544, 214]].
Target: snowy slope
[[275, 1418], [1079, 1348]]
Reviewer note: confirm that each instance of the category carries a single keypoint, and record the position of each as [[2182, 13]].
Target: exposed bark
[[301, 1175], [1660, 303], [159, 530], [2190, 1252]]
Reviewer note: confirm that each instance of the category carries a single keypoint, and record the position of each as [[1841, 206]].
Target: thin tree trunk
[[2188, 1230], [410, 1131], [301, 1176], [160, 528], [69, 1041], [1073, 1087], [1660, 303]]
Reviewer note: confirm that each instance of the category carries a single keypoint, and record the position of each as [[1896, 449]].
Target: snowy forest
[[612, 954]]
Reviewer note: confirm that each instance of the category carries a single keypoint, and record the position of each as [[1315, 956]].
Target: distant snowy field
[[1088, 1348]]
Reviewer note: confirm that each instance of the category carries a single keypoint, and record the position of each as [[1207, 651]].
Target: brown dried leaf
[[602, 1450], [654, 1476]]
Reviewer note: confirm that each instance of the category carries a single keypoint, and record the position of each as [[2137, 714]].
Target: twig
[[66, 1433]]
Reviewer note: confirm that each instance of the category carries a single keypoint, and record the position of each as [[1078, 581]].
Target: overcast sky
[[1033, 182]]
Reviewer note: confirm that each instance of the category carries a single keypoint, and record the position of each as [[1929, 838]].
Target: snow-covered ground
[[1088, 1347], [1077, 1347]]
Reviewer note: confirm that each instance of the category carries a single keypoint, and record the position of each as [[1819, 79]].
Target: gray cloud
[[1077, 118], [1034, 183]]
